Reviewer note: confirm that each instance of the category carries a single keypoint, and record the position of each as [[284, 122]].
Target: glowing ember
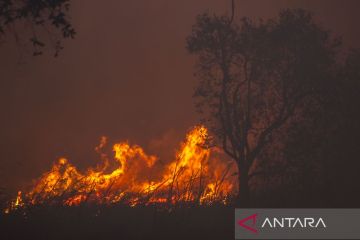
[[193, 176]]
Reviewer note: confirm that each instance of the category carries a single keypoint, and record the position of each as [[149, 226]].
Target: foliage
[[37, 15], [256, 79]]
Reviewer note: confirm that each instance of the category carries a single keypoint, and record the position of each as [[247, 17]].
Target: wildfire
[[195, 175]]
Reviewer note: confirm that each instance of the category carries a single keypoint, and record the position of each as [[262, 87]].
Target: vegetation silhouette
[[41, 21], [263, 88]]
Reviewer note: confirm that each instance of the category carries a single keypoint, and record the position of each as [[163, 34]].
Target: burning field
[[197, 174]]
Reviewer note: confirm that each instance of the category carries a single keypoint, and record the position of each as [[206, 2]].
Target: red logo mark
[[243, 221]]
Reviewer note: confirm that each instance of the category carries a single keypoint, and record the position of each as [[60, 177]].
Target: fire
[[133, 177]]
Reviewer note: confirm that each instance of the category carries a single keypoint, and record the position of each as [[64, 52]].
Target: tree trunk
[[243, 198]]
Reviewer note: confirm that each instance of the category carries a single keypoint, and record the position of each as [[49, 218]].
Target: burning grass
[[196, 175]]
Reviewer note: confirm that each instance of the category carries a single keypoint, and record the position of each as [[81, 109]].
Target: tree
[[39, 17], [256, 79]]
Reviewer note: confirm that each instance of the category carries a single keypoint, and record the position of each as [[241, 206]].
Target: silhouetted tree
[[38, 17], [256, 78]]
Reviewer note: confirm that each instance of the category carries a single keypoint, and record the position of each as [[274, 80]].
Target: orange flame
[[193, 176]]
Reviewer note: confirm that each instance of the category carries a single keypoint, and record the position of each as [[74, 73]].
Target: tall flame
[[138, 178]]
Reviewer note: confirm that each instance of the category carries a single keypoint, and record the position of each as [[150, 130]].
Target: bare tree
[[255, 79]]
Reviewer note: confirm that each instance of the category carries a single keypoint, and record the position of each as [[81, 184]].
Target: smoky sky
[[126, 75]]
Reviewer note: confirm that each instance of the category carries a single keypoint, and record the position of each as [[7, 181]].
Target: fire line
[[194, 175]]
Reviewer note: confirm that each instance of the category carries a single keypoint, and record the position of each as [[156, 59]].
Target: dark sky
[[127, 75]]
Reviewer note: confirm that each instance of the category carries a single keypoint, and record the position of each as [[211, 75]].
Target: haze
[[126, 75]]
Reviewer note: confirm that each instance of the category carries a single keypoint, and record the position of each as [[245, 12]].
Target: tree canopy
[[257, 79], [43, 22]]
